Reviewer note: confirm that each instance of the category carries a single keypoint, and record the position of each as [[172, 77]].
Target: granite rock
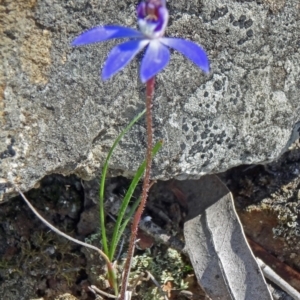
[[57, 116]]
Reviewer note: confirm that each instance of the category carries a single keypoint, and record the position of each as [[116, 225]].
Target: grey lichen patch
[[166, 265], [219, 12], [285, 204], [35, 55], [9, 149]]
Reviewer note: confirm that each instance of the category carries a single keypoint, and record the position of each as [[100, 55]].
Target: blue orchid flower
[[152, 20]]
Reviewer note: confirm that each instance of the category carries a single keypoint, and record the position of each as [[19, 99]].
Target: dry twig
[[271, 275], [95, 290]]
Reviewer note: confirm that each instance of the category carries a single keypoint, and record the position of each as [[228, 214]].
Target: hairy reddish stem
[[146, 185]]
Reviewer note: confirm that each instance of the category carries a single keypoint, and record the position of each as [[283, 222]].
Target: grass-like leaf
[[119, 229], [103, 178]]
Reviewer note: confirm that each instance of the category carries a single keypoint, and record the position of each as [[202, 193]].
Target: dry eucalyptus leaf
[[215, 242]]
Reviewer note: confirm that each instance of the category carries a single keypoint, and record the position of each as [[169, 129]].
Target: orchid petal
[[189, 49], [104, 33], [121, 55], [156, 58]]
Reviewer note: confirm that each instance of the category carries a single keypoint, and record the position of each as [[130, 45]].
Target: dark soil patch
[[36, 263]]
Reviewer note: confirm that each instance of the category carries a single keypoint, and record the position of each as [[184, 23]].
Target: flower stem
[[146, 184]]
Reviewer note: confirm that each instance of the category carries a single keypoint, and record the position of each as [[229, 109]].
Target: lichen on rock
[[63, 118]]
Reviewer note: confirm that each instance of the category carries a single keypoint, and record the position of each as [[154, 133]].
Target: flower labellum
[[152, 20]]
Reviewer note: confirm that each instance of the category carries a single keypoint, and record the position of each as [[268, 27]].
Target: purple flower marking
[[152, 20]]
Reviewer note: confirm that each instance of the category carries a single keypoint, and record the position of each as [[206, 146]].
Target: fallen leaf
[[215, 242]]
